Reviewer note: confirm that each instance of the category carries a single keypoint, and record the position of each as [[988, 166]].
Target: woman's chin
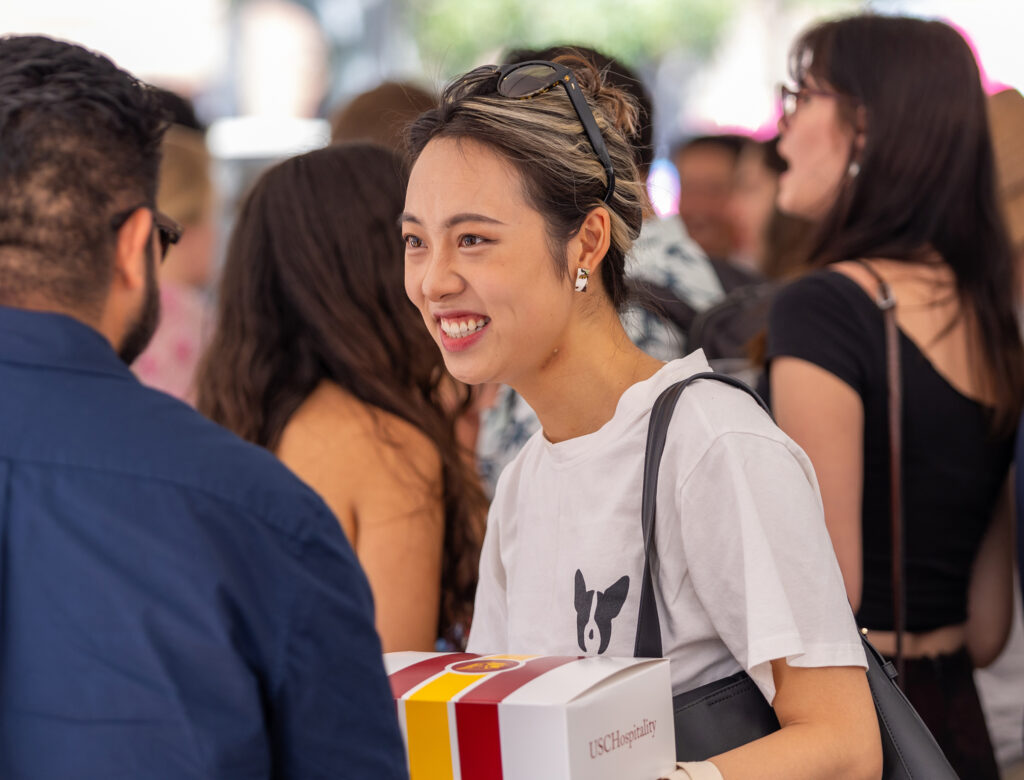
[[465, 372]]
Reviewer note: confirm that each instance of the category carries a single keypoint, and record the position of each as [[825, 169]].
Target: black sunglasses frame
[[560, 74], [168, 231]]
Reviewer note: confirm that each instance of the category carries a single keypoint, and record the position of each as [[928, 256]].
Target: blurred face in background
[[190, 261], [816, 145], [751, 203], [186, 195], [706, 176]]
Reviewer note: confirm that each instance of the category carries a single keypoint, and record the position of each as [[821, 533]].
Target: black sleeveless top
[[953, 467]]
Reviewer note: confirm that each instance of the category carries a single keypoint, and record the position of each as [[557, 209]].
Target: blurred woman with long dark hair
[[320, 357], [888, 151]]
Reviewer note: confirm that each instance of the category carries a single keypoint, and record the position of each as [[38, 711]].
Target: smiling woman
[[515, 237], [514, 296]]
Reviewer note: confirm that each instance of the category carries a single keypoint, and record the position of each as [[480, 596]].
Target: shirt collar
[[57, 341]]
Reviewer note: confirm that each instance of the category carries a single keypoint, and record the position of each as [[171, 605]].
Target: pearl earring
[[582, 275], [853, 170]]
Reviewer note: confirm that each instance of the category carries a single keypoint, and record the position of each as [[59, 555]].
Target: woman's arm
[[765, 564], [762, 564], [990, 593], [825, 416], [400, 536], [829, 729]]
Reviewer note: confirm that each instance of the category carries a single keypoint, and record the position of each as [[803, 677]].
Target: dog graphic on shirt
[[594, 621]]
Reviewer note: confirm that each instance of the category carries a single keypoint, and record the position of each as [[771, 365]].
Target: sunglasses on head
[[168, 231], [525, 80]]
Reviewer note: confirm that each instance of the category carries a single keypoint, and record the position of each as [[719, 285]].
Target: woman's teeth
[[462, 328]]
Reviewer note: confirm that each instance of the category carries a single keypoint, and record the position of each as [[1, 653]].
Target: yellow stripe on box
[[426, 718]]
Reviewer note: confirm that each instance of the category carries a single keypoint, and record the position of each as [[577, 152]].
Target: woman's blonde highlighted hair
[[543, 138]]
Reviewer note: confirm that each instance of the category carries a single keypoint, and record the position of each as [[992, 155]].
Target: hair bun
[[616, 106]]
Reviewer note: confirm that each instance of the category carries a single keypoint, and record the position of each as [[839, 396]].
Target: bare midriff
[[941, 641]]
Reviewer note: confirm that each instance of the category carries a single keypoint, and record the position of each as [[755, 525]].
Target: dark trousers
[[943, 693]]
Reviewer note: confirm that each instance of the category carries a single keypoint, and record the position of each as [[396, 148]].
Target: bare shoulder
[[345, 448], [335, 425], [929, 311], [324, 425], [398, 444], [854, 270], [918, 280]]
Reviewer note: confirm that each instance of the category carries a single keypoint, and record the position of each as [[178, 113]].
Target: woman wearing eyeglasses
[[887, 144], [319, 357], [522, 203]]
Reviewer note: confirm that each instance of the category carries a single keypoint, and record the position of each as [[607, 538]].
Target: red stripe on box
[[404, 680], [501, 685], [476, 717], [479, 741]]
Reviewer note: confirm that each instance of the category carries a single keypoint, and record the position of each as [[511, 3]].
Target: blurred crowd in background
[[252, 82], [266, 75]]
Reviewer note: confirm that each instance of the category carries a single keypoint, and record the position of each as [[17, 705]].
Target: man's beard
[[142, 329]]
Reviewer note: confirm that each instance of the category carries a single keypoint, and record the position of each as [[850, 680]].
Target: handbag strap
[[648, 627], [887, 303]]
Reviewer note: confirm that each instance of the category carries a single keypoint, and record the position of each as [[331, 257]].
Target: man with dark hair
[[173, 602], [707, 168]]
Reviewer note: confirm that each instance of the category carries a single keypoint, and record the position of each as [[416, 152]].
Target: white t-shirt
[[747, 573]]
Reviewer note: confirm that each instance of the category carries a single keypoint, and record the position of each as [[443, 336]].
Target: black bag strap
[[886, 302], [648, 628], [909, 749]]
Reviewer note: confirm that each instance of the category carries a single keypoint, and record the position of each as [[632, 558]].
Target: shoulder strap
[[648, 628], [887, 303]]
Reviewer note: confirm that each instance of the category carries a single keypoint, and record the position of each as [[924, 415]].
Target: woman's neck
[[576, 390]]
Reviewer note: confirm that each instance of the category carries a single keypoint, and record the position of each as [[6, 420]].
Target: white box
[[514, 717]]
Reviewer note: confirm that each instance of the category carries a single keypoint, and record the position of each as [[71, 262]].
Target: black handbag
[[730, 712]]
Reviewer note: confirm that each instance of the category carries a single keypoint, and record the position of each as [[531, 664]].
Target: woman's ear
[[591, 243]]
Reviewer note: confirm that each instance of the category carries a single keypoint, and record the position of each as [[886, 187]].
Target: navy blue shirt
[[174, 603]]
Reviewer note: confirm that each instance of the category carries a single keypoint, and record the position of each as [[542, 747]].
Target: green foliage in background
[[456, 35]]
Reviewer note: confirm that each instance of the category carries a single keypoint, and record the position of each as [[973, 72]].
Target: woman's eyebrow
[[453, 220], [460, 218]]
